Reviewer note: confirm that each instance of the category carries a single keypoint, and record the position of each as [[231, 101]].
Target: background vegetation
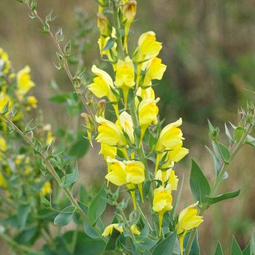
[[209, 48]]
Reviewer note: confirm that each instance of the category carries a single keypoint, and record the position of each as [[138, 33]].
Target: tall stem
[[52, 171], [218, 181]]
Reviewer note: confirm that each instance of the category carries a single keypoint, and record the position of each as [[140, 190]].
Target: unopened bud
[[102, 24], [101, 108], [129, 10], [89, 126]]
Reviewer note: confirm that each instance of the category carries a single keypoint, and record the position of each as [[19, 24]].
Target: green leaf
[[5, 109], [219, 250], [109, 44], [166, 246], [195, 249], [79, 148], [199, 184], [89, 230], [23, 211], [46, 203], [250, 140], [145, 243], [97, 205], [247, 250], [228, 134], [228, 195], [69, 179], [65, 216], [235, 248], [224, 152]]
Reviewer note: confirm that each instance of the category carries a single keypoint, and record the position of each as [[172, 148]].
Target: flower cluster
[[124, 142]]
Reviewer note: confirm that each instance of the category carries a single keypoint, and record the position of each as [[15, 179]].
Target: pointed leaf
[[65, 216], [90, 231], [166, 246], [219, 250], [97, 206], [235, 248], [69, 179], [198, 183], [23, 211], [228, 195]]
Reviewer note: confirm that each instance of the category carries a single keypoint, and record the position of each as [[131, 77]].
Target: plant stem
[[18, 246], [54, 174], [218, 181]]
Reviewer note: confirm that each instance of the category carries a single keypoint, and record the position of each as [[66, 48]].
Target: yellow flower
[[187, 220], [46, 189], [108, 151], [4, 99], [135, 230], [168, 176], [148, 47], [155, 71], [24, 83], [134, 172], [31, 103], [3, 182], [102, 86], [147, 93], [3, 145], [117, 174], [125, 76], [147, 113], [170, 136], [126, 124], [178, 153], [5, 64], [162, 202], [109, 133], [109, 229], [49, 136]]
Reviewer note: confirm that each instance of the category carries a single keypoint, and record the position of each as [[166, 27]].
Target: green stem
[[18, 246], [218, 181], [54, 174]]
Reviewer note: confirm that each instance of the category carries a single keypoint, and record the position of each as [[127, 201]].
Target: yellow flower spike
[[109, 229], [3, 182], [125, 77], [147, 114], [135, 230], [117, 173], [187, 220], [103, 24], [155, 71], [148, 47], [162, 202], [129, 12], [126, 124], [109, 133], [46, 189], [89, 126], [50, 137], [170, 136], [24, 83]]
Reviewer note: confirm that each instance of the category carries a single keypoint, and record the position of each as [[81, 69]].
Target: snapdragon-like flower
[[148, 47], [46, 189], [126, 124], [168, 176], [147, 114], [5, 64], [109, 229], [102, 86], [154, 71], [109, 133], [128, 173], [4, 99], [162, 202], [108, 151], [125, 77], [24, 82], [187, 220]]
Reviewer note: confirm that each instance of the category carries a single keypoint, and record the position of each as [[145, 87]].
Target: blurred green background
[[209, 49]]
